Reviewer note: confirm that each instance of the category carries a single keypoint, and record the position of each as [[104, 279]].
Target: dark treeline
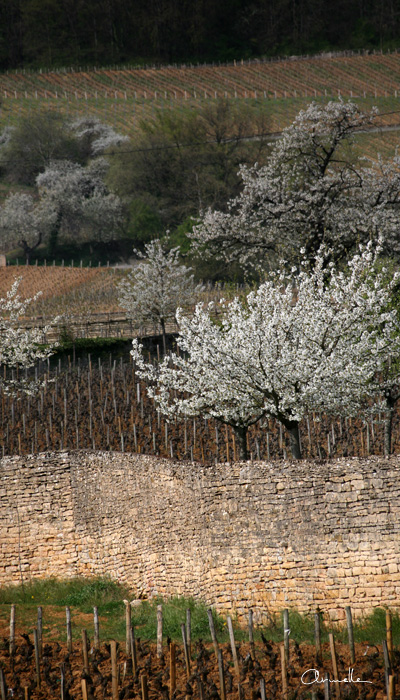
[[53, 33]]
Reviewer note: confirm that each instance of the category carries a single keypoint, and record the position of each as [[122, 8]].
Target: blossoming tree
[[158, 285], [311, 192], [313, 340], [20, 348]]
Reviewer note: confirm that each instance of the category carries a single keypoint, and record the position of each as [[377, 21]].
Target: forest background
[[35, 34]]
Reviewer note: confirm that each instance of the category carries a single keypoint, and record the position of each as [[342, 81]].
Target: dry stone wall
[[265, 535]]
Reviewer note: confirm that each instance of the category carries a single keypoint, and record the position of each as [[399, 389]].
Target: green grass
[[81, 595]]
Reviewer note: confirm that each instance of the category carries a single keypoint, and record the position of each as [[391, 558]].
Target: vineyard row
[[102, 405]]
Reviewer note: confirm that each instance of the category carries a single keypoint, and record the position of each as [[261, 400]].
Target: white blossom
[[24, 221], [20, 348], [97, 135], [309, 341], [158, 285], [311, 192]]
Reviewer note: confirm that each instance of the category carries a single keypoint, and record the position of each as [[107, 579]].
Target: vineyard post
[[159, 631], [26, 692], [186, 650], [128, 624], [284, 672], [172, 669], [286, 634], [84, 689], [69, 630], [350, 634], [85, 652], [3, 687], [143, 681], [317, 635], [212, 630], [262, 689], [12, 630], [392, 682], [334, 664], [251, 635], [40, 629], [37, 664], [221, 675], [96, 628], [114, 669], [327, 693], [389, 636], [133, 651], [233, 646], [189, 631], [388, 669]]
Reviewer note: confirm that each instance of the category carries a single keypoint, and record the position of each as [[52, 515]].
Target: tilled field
[[364, 679]]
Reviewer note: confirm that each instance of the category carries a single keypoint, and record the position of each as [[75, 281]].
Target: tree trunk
[[241, 442], [387, 440], [391, 396], [164, 337], [293, 429]]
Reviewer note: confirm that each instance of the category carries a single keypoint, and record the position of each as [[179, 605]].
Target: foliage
[[20, 348], [311, 192], [82, 593], [25, 222], [311, 340], [184, 162], [30, 146], [152, 292]]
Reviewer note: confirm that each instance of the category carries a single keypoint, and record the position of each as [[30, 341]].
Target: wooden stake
[[172, 669], [392, 682], [284, 672], [327, 688], [262, 689], [12, 630], [350, 634], [133, 650], [37, 664], [84, 689], [96, 628], [334, 664], [114, 670], [40, 629], [189, 631], [317, 634], [233, 646], [62, 682], [3, 686], [286, 634], [186, 650], [221, 675], [159, 631], [389, 636], [69, 629], [128, 625], [26, 692], [251, 635], [388, 669], [85, 651], [143, 681], [212, 630]]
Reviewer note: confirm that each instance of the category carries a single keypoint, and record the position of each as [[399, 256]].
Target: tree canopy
[[310, 192], [311, 340]]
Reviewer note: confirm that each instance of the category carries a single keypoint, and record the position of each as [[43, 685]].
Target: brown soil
[[203, 680]]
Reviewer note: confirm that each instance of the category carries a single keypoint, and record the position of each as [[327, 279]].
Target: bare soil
[[365, 679]]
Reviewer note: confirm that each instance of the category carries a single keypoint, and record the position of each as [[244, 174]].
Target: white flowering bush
[[313, 340], [157, 286], [20, 348], [311, 192]]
